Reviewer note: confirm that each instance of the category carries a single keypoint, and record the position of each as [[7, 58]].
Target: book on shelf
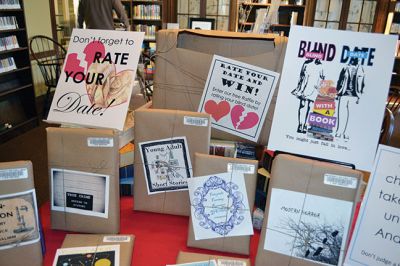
[[149, 30], [7, 64], [8, 23], [149, 12], [9, 43], [9, 4]]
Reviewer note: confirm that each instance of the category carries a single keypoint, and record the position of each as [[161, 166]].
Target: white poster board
[[376, 236], [97, 79], [332, 94], [237, 96]]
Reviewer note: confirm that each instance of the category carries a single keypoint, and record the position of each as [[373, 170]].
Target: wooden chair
[[387, 127], [49, 56]]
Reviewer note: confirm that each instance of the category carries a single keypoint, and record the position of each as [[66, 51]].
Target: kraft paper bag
[[125, 243], [208, 165], [187, 257], [325, 194], [20, 231], [165, 144], [84, 179], [184, 58]]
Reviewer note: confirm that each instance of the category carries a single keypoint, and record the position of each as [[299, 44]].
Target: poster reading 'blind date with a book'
[[332, 94], [97, 78]]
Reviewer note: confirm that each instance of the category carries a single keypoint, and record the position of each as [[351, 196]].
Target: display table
[[159, 237]]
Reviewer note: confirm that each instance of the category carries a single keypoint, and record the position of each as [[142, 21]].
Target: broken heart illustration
[[217, 110], [248, 121], [114, 88]]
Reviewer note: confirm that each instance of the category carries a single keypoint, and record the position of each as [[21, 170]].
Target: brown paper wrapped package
[[68, 149], [187, 257], [32, 253], [155, 124], [184, 58], [295, 174], [208, 165], [81, 240]]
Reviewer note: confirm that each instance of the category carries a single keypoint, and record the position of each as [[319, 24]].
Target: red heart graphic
[[217, 111], [249, 121]]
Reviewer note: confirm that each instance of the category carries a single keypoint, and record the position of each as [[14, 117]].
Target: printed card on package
[[332, 94], [19, 223], [376, 237], [237, 96], [80, 192], [307, 226], [166, 164], [95, 255], [97, 79], [219, 206]]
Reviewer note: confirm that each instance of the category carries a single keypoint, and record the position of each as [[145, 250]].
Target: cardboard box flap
[[295, 174], [82, 240], [208, 165], [157, 124], [187, 257]]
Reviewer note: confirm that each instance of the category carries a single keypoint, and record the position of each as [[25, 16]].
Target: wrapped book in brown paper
[[165, 143], [20, 232], [208, 165], [80, 241], [184, 58], [187, 257], [310, 205], [84, 181]]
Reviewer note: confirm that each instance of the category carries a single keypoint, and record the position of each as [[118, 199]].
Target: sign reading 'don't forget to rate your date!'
[[97, 79]]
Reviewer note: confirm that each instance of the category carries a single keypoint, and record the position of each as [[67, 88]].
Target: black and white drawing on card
[[166, 164]]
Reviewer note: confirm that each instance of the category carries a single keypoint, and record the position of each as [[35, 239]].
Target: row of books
[[8, 43], [397, 7], [8, 23], [9, 4], [147, 12], [395, 28], [7, 64], [149, 30]]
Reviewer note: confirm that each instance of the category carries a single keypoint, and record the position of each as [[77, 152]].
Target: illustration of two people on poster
[[320, 99]]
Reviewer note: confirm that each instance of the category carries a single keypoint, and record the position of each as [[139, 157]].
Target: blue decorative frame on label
[[233, 213]]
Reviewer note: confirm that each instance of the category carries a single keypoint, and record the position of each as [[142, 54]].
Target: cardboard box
[[183, 62], [208, 165], [126, 243], [291, 173], [187, 257], [84, 179], [16, 187], [157, 125]]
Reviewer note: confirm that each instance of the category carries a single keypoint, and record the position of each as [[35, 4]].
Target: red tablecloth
[[159, 237]]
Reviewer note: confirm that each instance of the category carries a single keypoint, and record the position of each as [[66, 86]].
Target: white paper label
[[222, 262], [195, 121], [116, 239], [11, 174], [100, 142], [241, 168], [340, 181]]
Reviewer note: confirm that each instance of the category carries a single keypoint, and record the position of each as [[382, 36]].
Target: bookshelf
[[17, 98], [288, 13]]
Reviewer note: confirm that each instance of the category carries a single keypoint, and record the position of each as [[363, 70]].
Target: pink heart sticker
[[250, 120], [217, 111]]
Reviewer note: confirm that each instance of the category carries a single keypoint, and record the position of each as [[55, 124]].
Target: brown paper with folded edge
[[306, 176], [32, 253], [83, 240], [68, 149], [208, 165], [187, 257], [183, 60], [155, 124]]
